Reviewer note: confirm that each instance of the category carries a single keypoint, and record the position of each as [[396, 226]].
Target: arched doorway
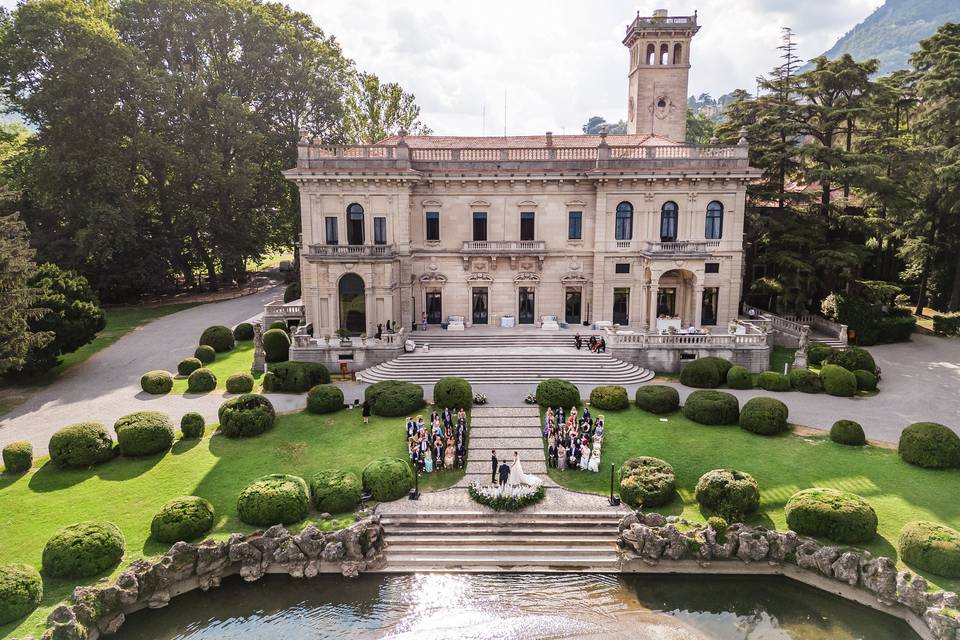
[[675, 299], [353, 309]]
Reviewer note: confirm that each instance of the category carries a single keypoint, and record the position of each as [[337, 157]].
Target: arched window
[[664, 53], [678, 53], [668, 222], [624, 228], [354, 224], [651, 54], [714, 229]]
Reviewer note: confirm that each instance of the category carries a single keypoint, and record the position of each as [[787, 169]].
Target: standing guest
[[578, 341], [584, 458], [561, 457], [449, 454], [598, 430], [559, 414], [411, 427], [552, 456], [428, 463], [552, 438], [366, 412], [423, 321], [586, 412], [379, 330], [593, 343], [602, 347], [447, 418], [573, 413], [438, 453], [494, 465]]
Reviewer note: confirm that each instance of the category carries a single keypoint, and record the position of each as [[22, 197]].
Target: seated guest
[[461, 415], [598, 429], [584, 458], [593, 343], [561, 457], [551, 456], [602, 347], [577, 341], [428, 463], [595, 460], [586, 413]]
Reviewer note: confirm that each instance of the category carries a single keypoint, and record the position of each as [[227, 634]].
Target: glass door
[[526, 306], [572, 306], [621, 306], [479, 305], [434, 307]]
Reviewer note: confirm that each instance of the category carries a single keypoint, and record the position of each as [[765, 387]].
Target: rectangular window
[[526, 225], [433, 225], [711, 267], [479, 226], [621, 306], [708, 307], [331, 229], [379, 230], [622, 267], [575, 225]]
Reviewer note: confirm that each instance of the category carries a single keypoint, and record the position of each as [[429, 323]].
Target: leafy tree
[[375, 110], [595, 124], [17, 299], [700, 128]]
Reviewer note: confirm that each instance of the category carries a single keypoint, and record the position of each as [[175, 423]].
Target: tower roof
[[661, 24]]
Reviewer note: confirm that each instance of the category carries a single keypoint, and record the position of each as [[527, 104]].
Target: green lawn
[[129, 491], [782, 465], [237, 361]]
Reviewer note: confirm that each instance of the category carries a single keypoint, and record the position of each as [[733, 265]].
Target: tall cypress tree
[[16, 297]]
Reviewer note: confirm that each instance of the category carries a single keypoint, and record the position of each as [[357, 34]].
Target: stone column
[[697, 304], [654, 288], [598, 311], [370, 307]]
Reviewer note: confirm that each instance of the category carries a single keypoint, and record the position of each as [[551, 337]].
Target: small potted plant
[[326, 339], [363, 339], [344, 335]]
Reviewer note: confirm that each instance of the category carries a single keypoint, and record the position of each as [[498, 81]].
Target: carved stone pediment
[[527, 277], [434, 279], [573, 279], [479, 277]]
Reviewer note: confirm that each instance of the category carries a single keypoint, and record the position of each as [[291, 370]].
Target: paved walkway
[[507, 430]]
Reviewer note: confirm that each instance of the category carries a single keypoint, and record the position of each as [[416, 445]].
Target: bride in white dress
[[517, 476]]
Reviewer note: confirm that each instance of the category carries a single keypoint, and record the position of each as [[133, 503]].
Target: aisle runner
[[506, 429]]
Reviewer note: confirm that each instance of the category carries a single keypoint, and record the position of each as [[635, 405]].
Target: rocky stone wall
[[100, 610], [653, 538]]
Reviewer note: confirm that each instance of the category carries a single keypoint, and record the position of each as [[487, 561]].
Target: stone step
[[553, 552], [505, 519], [418, 563], [402, 542], [556, 528], [505, 432], [506, 412], [505, 443], [530, 464], [504, 421]]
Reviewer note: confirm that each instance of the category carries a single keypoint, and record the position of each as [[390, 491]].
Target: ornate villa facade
[[639, 230]]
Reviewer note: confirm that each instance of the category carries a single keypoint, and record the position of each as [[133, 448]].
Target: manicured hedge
[[219, 337], [930, 547], [18, 457], [324, 398], [657, 398], [818, 353], [274, 499], [82, 550], [182, 519], [388, 479], [647, 482], [930, 445], [773, 381], [243, 331], [866, 381], [188, 366], [947, 325], [279, 324], [83, 444], [246, 416], [21, 590], [838, 381], [701, 374], [838, 515], [291, 292], [848, 432], [240, 383], [853, 358], [201, 381], [712, 407], [455, 393], [295, 377], [192, 425], [729, 493], [276, 345], [554, 392], [393, 398], [335, 490], [765, 416], [609, 398], [144, 433], [156, 382], [739, 378], [805, 381], [205, 354], [722, 364]]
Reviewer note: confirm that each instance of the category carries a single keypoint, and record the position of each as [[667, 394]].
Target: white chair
[[549, 323], [455, 323]]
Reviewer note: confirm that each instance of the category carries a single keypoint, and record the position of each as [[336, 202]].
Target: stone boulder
[[879, 576], [846, 568]]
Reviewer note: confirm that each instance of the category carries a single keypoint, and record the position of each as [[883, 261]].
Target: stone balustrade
[[683, 340], [316, 252], [682, 247], [504, 247]]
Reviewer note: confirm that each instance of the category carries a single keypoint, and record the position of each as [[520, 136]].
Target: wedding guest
[[578, 341], [584, 458], [552, 456], [449, 454], [411, 427], [366, 412], [561, 457], [428, 464], [595, 461], [602, 347]]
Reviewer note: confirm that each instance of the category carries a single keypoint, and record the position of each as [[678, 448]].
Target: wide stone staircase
[[504, 429]]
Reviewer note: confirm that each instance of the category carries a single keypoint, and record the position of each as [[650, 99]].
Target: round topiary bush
[[18, 457], [201, 381], [838, 381], [192, 425], [82, 550], [21, 590], [243, 331], [931, 547], [554, 392], [205, 354], [156, 382], [702, 374], [818, 353], [838, 515], [188, 365], [219, 337], [712, 407], [730, 493], [144, 433], [773, 381], [805, 381], [852, 359], [722, 364], [335, 490], [609, 398], [765, 416], [930, 445], [182, 519], [279, 324], [739, 378], [274, 499], [246, 416], [455, 393], [657, 398], [388, 479], [276, 345], [646, 482], [393, 398], [848, 432], [324, 398], [240, 383], [80, 445], [866, 381]]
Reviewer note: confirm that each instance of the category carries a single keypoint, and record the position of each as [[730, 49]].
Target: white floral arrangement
[[510, 497], [479, 398]]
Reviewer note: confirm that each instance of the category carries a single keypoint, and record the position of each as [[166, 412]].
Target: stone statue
[[800, 357], [259, 357]]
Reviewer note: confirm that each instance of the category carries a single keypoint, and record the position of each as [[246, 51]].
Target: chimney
[[549, 138]]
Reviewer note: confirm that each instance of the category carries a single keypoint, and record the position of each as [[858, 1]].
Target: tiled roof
[[525, 142]]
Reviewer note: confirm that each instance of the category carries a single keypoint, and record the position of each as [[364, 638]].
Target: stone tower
[[659, 48]]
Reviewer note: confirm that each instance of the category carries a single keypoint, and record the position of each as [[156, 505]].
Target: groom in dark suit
[[504, 474], [493, 464]]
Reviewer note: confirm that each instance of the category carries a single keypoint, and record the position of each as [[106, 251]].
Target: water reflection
[[514, 607]]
